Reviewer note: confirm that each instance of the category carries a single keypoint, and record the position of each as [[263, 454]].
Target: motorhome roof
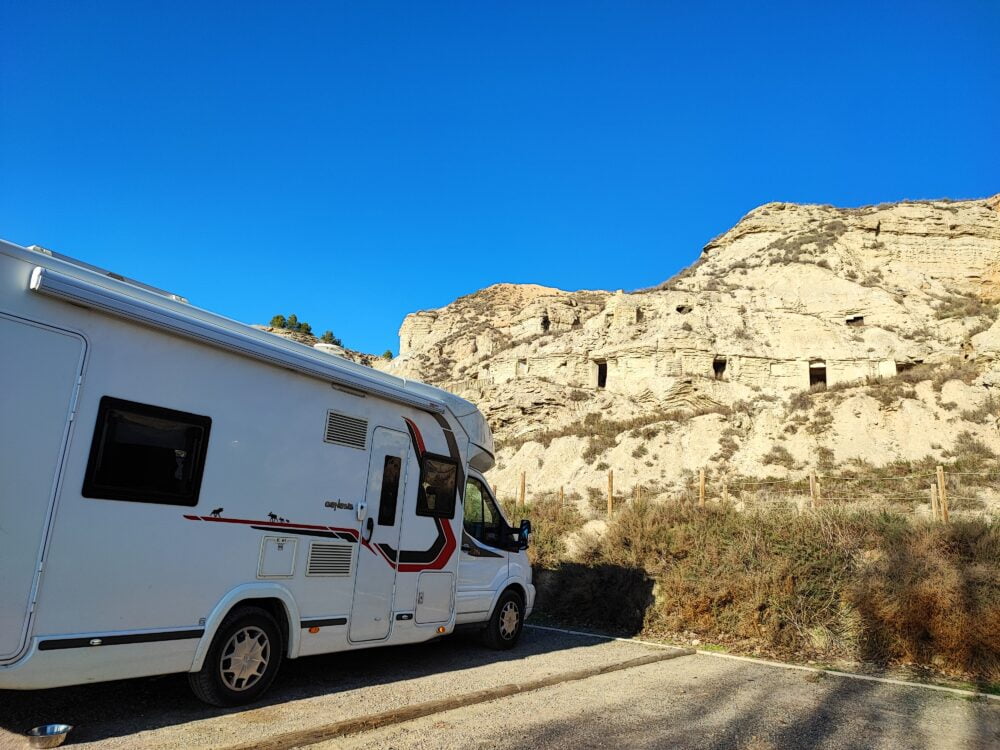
[[64, 277]]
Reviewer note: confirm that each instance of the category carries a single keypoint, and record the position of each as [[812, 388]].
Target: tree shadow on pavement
[[725, 704]]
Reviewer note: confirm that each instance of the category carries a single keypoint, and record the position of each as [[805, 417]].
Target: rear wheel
[[243, 660], [504, 627]]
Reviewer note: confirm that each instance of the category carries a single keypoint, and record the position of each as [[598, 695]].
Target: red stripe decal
[[443, 556], [274, 524], [417, 437]]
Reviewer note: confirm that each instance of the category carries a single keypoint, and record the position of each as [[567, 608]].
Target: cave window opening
[[719, 368], [638, 315], [856, 322], [546, 323], [817, 374], [602, 373], [684, 309]]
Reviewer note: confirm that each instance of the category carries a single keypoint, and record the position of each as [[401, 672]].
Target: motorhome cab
[[183, 493]]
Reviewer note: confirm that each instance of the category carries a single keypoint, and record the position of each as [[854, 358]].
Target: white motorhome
[[183, 493]]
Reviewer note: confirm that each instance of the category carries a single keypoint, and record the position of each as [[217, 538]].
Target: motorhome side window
[[482, 519], [146, 454], [438, 486]]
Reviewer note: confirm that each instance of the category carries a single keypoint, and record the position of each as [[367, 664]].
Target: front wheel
[[243, 661], [504, 627]]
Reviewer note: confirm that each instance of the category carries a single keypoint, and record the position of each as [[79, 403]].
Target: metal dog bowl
[[48, 735]]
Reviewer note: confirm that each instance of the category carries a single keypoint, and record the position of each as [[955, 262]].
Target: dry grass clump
[[879, 587], [780, 456], [964, 306], [982, 414], [603, 433], [551, 523]]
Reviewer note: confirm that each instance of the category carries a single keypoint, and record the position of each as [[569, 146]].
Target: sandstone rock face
[[793, 297]]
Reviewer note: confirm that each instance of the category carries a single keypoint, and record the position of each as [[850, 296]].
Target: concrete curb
[[408, 713]]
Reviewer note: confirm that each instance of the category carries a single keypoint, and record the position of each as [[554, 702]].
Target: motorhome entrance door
[[39, 371], [376, 573]]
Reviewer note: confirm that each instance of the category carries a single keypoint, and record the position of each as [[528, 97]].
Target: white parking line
[[783, 665]]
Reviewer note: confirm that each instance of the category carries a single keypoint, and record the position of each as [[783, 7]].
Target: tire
[[506, 623], [227, 680]]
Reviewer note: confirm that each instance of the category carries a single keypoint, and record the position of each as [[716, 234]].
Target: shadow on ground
[[116, 709]]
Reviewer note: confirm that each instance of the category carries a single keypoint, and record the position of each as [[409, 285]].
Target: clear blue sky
[[352, 162]]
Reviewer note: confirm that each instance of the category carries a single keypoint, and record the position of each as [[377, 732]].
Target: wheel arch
[[511, 584], [272, 597]]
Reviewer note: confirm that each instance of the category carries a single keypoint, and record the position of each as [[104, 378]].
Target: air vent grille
[[329, 559], [344, 430]]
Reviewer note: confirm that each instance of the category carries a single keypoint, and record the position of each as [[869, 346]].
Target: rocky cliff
[[816, 334]]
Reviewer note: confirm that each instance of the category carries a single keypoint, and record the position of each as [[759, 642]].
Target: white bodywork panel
[[39, 369]]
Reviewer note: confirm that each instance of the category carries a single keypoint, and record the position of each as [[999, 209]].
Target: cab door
[[483, 566], [375, 581]]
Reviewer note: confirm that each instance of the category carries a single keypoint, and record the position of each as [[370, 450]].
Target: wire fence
[[936, 492]]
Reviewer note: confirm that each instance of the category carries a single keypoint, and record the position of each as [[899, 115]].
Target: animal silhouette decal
[[217, 512]]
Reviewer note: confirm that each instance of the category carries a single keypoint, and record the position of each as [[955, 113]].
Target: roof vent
[[329, 559], [344, 430]]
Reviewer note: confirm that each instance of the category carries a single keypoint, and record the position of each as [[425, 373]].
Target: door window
[[390, 491], [438, 485], [482, 518]]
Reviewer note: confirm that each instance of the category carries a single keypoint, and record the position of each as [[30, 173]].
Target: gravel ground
[[162, 712], [704, 702]]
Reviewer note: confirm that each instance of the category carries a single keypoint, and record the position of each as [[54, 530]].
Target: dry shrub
[[551, 523], [933, 597], [830, 584], [602, 596]]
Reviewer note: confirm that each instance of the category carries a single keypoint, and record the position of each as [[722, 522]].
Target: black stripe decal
[[323, 623], [449, 437], [418, 556], [306, 532], [476, 550], [118, 640]]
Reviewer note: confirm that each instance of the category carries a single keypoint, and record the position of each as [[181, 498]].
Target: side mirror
[[524, 534]]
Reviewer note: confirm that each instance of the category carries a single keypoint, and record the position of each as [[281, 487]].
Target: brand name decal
[[338, 505]]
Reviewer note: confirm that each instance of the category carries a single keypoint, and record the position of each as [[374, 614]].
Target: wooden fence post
[[934, 502], [520, 492], [812, 490], [701, 488], [562, 496], [819, 493], [725, 491], [611, 491], [942, 494]]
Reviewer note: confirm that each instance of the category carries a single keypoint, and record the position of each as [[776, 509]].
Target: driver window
[[482, 519]]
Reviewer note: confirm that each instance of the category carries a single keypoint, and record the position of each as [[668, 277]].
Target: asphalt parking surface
[[694, 701]]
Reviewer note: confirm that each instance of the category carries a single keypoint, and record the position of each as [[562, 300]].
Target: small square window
[[438, 486], [146, 454]]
